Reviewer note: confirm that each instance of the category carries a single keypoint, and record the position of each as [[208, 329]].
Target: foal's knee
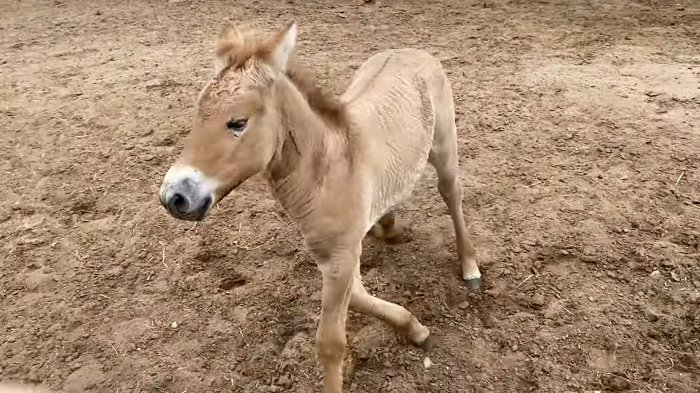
[[449, 187]]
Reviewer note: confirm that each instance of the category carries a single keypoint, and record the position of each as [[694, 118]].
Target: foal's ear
[[229, 33], [229, 40], [283, 44]]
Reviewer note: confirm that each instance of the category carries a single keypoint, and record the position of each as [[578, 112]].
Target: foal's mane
[[237, 53], [323, 102]]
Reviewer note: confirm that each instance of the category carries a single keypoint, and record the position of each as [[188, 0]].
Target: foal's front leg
[[398, 317], [337, 272]]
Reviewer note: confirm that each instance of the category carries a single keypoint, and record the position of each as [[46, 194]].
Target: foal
[[336, 164]]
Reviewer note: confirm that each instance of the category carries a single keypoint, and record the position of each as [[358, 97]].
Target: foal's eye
[[237, 126]]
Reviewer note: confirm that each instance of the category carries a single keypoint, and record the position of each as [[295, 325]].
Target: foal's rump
[[393, 101]]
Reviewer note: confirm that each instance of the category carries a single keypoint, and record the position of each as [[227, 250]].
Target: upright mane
[[321, 101], [234, 50]]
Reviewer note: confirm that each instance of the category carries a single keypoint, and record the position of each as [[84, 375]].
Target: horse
[[337, 164]]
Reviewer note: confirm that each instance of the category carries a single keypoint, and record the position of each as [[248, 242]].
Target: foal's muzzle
[[186, 194]]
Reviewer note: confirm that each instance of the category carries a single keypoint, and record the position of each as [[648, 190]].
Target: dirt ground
[[579, 128]]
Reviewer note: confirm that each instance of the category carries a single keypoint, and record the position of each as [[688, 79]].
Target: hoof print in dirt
[[616, 383], [232, 282]]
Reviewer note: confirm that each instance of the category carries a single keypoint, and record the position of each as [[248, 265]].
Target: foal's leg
[[387, 229], [398, 317], [337, 272], [444, 158]]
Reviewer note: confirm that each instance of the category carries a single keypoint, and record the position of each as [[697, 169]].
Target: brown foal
[[337, 164]]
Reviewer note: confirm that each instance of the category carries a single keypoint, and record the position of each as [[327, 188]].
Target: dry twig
[[524, 281], [679, 178]]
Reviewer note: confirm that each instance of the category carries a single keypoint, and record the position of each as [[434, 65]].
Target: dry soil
[[579, 133]]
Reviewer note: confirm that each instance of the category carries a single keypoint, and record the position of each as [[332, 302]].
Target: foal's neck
[[308, 148]]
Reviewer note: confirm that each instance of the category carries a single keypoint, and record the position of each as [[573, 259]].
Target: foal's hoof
[[473, 283], [394, 237], [427, 344]]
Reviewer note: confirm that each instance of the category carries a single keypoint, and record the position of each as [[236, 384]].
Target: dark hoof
[[474, 284], [427, 344], [394, 238]]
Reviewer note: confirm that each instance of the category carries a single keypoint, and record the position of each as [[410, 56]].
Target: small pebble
[[427, 363], [174, 325], [675, 277], [284, 381], [694, 298], [655, 274], [589, 259]]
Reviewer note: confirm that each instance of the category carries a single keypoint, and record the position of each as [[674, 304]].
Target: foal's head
[[237, 127]]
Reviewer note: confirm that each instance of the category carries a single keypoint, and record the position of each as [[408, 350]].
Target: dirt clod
[[538, 300], [615, 383], [83, 379]]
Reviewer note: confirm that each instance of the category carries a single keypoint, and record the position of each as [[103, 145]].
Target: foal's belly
[[392, 107], [398, 180]]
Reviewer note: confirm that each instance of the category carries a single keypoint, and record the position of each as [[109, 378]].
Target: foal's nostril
[[179, 203], [207, 203], [202, 209]]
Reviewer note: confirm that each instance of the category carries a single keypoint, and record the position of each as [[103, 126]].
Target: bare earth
[[579, 128]]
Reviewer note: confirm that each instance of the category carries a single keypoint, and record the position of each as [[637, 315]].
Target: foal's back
[[394, 103]]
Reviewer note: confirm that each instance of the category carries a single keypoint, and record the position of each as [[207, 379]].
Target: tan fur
[[336, 164], [22, 388]]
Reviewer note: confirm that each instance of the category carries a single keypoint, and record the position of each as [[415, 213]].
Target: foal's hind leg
[[387, 228], [444, 158], [451, 192]]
